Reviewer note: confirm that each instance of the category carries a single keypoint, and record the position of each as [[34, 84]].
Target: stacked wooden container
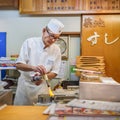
[[90, 66]]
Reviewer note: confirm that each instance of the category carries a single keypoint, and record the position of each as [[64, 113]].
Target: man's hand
[[40, 69], [37, 78], [38, 82]]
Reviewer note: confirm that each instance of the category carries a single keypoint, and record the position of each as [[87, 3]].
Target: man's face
[[48, 37]]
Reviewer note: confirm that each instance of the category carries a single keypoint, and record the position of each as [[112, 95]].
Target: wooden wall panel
[[9, 4], [106, 27]]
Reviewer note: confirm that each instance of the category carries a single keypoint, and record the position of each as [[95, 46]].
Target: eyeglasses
[[51, 35]]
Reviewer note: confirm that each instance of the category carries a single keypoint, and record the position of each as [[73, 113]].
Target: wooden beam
[[71, 33]]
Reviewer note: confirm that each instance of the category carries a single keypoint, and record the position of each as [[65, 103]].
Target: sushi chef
[[38, 56]]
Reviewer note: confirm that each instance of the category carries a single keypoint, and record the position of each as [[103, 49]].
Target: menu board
[[69, 6]]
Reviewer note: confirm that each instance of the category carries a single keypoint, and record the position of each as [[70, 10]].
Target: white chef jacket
[[33, 53]]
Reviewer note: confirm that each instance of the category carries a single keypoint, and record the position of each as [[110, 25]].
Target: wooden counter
[[23, 113]]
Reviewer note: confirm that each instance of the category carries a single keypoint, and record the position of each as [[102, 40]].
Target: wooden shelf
[[72, 12]]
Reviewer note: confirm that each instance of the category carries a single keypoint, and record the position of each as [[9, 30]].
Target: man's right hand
[[40, 69]]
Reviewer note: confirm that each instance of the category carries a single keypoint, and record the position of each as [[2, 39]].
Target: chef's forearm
[[51, 75], [24, 67]]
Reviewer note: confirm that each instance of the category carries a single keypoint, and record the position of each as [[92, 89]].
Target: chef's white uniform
[[33, 53]]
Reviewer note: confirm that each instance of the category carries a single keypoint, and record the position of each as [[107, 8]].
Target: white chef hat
[[55, 26]]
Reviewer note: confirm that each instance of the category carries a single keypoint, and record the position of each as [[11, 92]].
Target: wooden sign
[[101, 37]]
